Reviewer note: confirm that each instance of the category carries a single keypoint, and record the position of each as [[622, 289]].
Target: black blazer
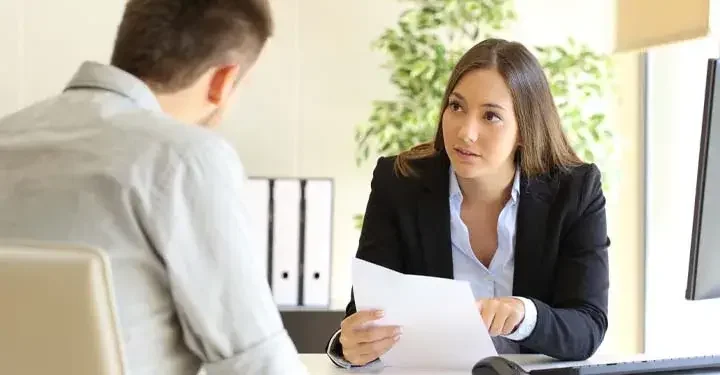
[[561, 260]]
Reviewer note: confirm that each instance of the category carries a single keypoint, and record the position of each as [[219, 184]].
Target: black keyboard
[[680, 365]]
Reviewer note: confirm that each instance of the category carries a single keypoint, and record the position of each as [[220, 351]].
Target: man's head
[[192, 53]]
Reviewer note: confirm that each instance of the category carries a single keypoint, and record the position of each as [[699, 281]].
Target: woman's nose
[[469, 132]]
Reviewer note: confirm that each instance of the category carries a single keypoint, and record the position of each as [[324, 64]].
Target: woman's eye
[[454, 106], [491, 116]]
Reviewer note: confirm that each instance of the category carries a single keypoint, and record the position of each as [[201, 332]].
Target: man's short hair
[[169, 44]]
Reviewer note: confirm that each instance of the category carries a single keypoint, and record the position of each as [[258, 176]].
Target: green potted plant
[[422, 48]]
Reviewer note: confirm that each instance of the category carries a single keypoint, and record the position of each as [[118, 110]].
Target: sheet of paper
[[441, 324]]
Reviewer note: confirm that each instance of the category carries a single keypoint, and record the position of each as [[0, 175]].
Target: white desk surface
[[320, 364]]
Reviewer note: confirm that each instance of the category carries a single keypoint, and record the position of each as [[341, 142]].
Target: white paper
[[441, 325]]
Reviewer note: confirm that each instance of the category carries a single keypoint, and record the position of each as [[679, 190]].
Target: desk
[[320, 364]]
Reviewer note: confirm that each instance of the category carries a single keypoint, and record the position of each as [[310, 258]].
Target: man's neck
[[175, 105]]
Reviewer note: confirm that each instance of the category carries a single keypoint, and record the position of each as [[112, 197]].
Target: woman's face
[[478, 125]]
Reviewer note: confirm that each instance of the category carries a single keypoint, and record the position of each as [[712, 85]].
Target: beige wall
[[296, 113], [676, 97], [315, 81], [42, 42], [626, 211]]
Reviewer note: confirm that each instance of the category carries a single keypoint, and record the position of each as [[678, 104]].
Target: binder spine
[[301, 245], [299, 213], [270, 231], [317, 242]]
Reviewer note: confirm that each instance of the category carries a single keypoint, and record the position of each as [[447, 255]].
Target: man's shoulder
[[119, 133], [159, 128], [125, 140], [110, 115], [159, 139]]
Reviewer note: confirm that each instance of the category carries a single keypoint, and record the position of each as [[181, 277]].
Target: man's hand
[[363, 343], [501, 315]]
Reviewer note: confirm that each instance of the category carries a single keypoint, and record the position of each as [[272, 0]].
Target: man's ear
[[222, 83]]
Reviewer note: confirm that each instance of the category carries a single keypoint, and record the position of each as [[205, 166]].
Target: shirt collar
[[456, 193], [105, 77]]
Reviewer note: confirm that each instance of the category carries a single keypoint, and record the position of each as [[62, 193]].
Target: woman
[[499, 199]]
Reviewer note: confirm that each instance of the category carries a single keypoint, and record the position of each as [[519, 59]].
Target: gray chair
[[57, 311]]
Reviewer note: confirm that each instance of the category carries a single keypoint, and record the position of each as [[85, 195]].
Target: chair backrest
[[57, 311]]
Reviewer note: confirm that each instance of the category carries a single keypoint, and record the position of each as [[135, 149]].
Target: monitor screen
[[704, 270]]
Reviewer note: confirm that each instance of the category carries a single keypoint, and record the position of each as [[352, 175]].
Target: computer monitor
[[704, 271]]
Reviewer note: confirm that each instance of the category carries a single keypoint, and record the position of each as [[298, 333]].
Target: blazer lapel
[[434, 218], [530, 232]]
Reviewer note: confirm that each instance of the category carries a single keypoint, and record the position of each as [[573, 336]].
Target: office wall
[[297, 109], [10, 41], [676, 88], [625, 212], [42, 42]]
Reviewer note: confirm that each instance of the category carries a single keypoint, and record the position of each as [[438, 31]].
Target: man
[[122, 159]]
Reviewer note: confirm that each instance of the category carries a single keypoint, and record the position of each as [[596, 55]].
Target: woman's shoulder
[[578, 184], [421, 171], [577, 174], [387, 177], [399, 186], [584, 176], [385, 167]]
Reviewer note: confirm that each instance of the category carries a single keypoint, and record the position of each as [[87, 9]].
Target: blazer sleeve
[[379, 241], [573, 325]]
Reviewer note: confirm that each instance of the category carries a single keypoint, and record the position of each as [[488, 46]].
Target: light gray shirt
[[102, 164]]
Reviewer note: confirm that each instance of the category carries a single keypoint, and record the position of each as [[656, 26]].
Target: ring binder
[[295, 222]]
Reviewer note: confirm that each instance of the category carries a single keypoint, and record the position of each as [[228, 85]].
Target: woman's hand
[[363, 343], [501, 315]]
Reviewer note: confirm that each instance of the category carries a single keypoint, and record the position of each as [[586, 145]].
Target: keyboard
[[677, 365]]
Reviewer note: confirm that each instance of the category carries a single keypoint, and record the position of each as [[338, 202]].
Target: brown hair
[[544, 145], [170, 43]]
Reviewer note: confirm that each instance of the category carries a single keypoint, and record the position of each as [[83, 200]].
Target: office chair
[[57, 311]]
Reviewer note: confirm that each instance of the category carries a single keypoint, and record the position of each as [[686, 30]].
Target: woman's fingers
[[365, 353], [363, 343], [501, 315]]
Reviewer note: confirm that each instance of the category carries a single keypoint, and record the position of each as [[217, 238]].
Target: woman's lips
[[466, 154]]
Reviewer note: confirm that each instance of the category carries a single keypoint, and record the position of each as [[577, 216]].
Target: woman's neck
[[489, 189]]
